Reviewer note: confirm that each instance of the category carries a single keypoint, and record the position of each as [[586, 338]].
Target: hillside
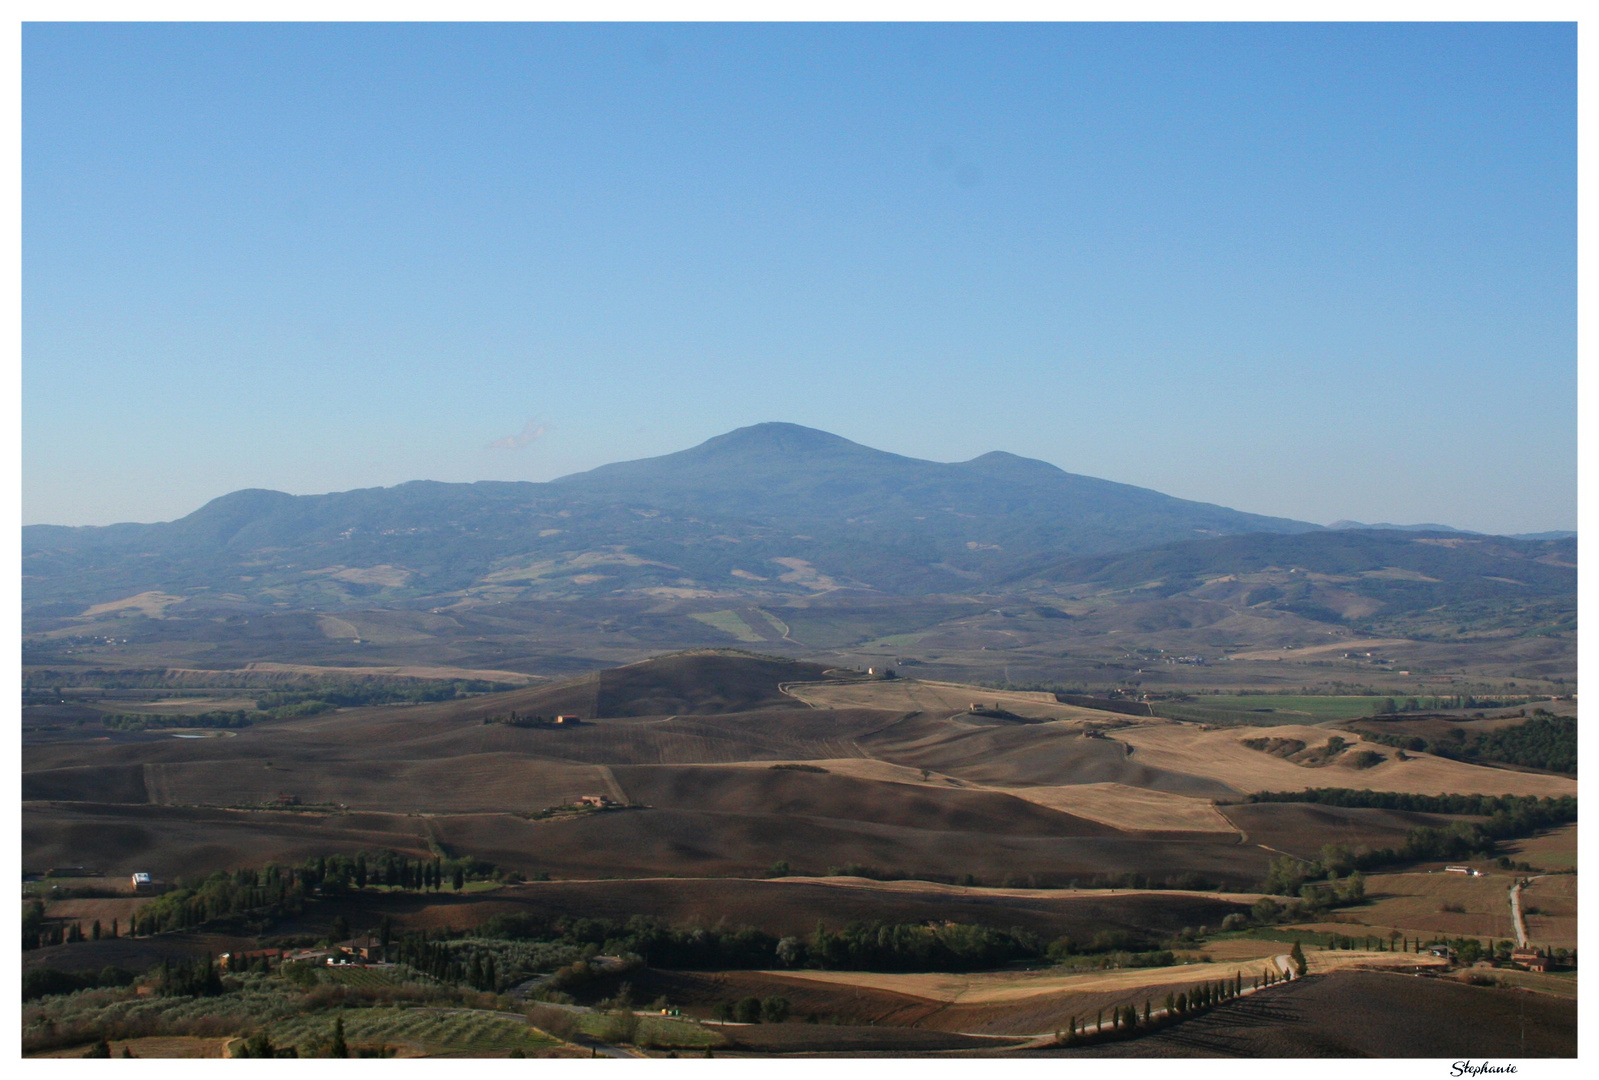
[[774, 509], [1398, 582]]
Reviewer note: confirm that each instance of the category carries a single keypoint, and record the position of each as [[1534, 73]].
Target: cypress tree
[[338, 1049]]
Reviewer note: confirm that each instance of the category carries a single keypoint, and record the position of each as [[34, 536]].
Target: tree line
[[1543, 742]]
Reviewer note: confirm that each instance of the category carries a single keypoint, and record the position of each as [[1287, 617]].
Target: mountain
[[1387, 526], [1393, 581], [773, 508]]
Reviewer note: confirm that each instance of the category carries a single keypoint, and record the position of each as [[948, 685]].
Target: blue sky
[[1317, 271]]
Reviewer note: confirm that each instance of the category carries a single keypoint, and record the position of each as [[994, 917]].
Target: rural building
[[142, 883], [235, 961], [1529, 958], [597, 801], [367, 948], [1462, 870], [568, 719]]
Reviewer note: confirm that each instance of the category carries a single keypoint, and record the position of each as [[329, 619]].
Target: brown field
[[1558, 983], [134, 954], [1221, 756], [1413, 904], [1554, 925], [1301, 829], [784, 906], [1553, 850], [912, 787], [942, 889], [916, 695], [1320, 650], [85, 911], [1000, 1003], [1128, 807], [176, 1046], [1356, 1014], [838, 1039]]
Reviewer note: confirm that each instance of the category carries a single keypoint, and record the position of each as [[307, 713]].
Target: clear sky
[[1317, 271]]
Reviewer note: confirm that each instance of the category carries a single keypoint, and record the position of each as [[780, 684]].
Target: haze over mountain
[[773, 508]]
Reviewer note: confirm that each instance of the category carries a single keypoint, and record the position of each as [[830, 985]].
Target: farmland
[[417, 1032], [1111, 857]]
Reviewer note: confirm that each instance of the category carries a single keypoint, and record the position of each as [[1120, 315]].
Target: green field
[[653, 1031], [363, 978], [433, 1031], [729, 622], [1269, 709]]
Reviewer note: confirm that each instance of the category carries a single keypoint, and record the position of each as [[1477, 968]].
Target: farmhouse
[[566, 718], [367, 948], [240, 960], [142, 883], [1530, 958], [599, 802]]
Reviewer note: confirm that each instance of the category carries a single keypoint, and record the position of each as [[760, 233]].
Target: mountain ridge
[[771, 508]]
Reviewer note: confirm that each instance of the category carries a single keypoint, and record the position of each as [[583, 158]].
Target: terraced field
[[416, 1032]]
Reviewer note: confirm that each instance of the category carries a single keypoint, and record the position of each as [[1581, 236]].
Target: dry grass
[[177, 1046], [916, 695], [153, 604], [466, 783], [87, 910], [1126, 807], [1221, 755], [1320, 650], [934, 888], [1414, 903], [991, 988], [1553, 850], [1555, 924], [410, 671]]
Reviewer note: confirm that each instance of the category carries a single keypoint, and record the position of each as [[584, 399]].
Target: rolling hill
[[1403, 582], [773, 509]]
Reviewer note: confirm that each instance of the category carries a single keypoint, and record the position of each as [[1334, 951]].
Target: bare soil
[[1365, 1014]]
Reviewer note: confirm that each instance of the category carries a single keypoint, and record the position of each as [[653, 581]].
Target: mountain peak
[[777, 439]]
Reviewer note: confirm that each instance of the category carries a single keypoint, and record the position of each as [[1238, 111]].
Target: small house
[[367, 948], [567, 718], [142, 883], [599, 802], [1530, 958]]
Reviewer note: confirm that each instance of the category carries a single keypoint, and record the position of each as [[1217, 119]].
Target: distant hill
[[1552, 534], [1398, 581], [689, 683], [768, 509]]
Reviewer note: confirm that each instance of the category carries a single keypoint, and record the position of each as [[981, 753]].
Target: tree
[[101, 1049], [338, 1049], [460, 879], [748, 1011], [774, 1010], [1297, 954]]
